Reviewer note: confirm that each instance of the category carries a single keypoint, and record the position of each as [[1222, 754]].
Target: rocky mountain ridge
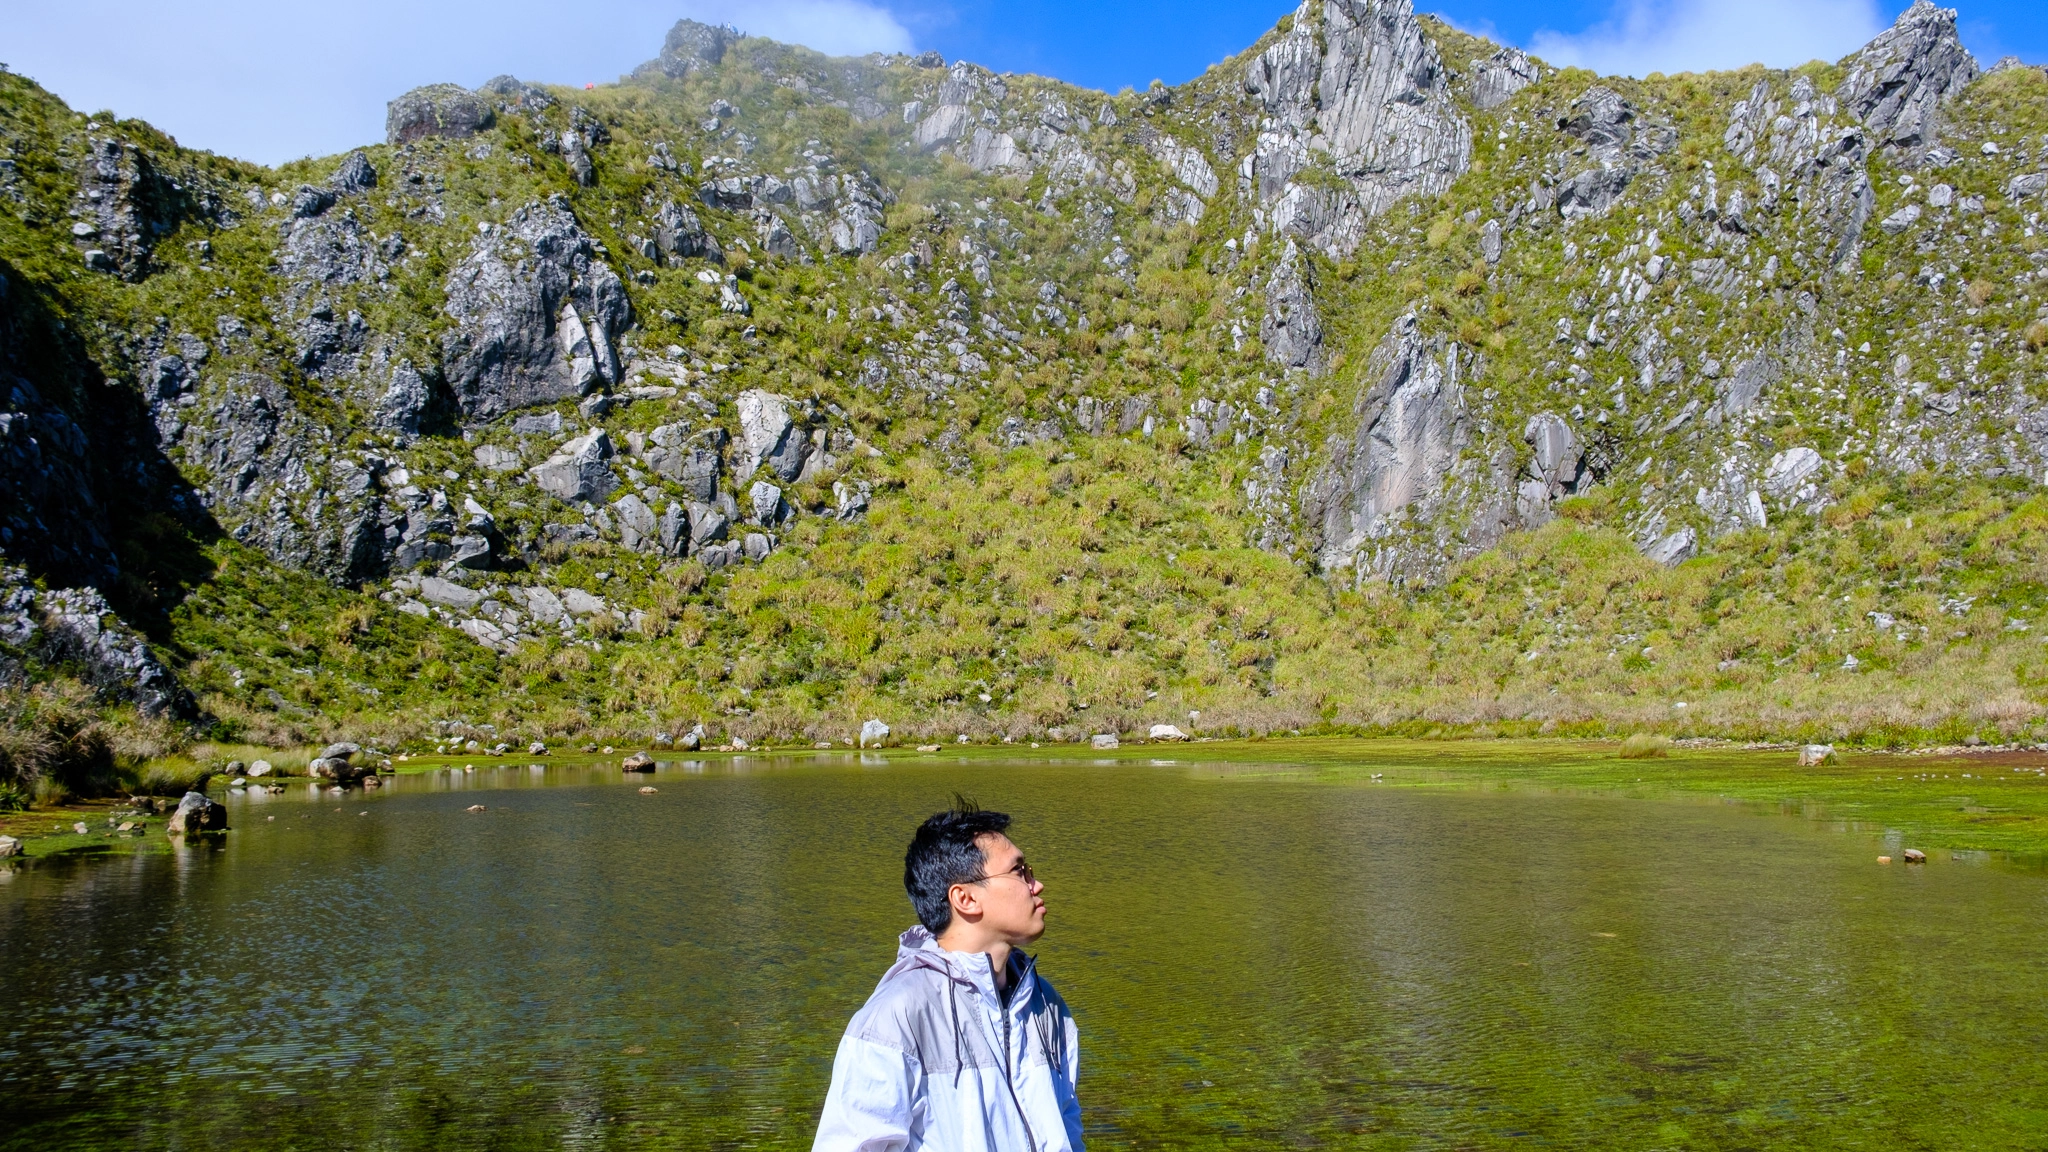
[[590, 371]]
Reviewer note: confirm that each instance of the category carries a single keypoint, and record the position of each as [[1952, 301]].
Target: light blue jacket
[[935, 1060]]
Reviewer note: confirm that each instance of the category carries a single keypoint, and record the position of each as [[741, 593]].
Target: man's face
[[1012, 900]]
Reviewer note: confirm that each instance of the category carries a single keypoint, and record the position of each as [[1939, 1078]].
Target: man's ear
[[966, 902]]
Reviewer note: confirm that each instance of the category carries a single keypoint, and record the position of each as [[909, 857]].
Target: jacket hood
[[918, 948]]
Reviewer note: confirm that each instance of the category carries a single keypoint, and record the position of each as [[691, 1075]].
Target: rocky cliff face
[[1352, 91], [1401, 292]]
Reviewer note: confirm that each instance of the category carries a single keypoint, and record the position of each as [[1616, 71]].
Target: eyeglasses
[[1020, 870]]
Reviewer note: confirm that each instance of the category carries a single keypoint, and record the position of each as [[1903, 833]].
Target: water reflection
[[1255, 962]]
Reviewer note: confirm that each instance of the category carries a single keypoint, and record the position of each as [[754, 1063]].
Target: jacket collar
[[918, 948]]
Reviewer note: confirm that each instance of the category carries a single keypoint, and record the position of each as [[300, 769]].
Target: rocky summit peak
[[1379, 373], [691, 45], [1900, 81]]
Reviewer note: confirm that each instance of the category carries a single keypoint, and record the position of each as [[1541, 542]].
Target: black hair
[[944, 853]]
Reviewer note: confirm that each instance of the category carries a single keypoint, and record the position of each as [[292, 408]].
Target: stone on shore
[[1814, 755], [1103, 740], [9, 846], [197, 813], [260, 769], [873, 732], [1167, 732]]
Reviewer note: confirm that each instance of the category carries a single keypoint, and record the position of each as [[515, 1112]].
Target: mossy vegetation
[[1050, 589]]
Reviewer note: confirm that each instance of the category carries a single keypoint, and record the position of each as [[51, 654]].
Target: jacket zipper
[[1011, 1084]]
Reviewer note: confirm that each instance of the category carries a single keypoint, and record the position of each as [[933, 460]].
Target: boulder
[[638, 762], [692, 740], [680, 235], [873, 733], [1814, 755], [448, 594], [1914, 856], [341, 751], [1673, 548], [446, 110], [9, 846], [536, 749], [768, 436], [766, 499], [197, 813], [1789, 471], [648, 790], [338, 769], [639, 528], [580, 603], [260, 768], [1167, 732], [1103, 740], [691, 461], [579, 471]]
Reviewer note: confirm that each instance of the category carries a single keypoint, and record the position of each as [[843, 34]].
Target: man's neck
[[997, 951]]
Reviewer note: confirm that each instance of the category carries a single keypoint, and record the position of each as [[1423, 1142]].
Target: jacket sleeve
[[875, 1101], [1070, 1101]]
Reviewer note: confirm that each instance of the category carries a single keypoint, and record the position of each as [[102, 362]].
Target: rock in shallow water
[[197, 813]]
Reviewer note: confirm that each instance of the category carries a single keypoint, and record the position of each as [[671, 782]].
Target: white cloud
[[271, 80], [1644, 36]]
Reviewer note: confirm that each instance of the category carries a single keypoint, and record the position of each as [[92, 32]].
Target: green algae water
[[1256, 961]]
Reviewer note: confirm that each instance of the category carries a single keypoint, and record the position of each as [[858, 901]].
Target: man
[[962, 1047]]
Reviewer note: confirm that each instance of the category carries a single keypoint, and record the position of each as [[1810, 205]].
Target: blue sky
[[271, 80]]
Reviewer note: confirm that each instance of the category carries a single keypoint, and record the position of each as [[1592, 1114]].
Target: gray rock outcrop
[[1292, 328], [690, 460], [1899, 82], [79, 630], [355, 176], [445, 110], [1554, 467], [537, 315], [1498, 77], [691, 46], [1395, 472], [1353, 85], [124, 205]]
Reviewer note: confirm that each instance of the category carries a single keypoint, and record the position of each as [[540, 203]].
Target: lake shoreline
[[1992, 799]]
